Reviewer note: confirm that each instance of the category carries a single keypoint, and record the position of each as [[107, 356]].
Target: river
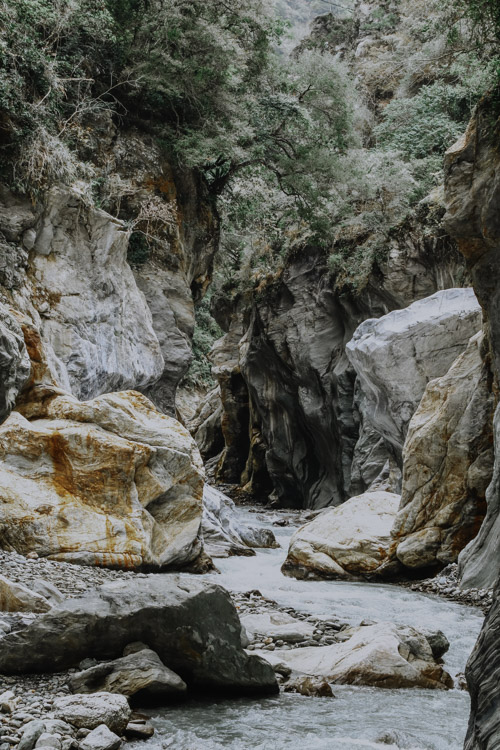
[[358, 717]]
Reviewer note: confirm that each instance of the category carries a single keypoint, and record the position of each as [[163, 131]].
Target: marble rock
[[14, 597], [448, 461], [97, 321], [382, 655], [192, 626], [91, 711], [110, 481], [350, 541], [396, 356], [140, 674], [224, 534]]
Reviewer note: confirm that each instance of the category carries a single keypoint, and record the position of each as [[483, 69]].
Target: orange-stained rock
[[448, 460], [110, 481]]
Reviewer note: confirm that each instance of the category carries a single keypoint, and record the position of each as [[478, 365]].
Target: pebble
[[446, 584]]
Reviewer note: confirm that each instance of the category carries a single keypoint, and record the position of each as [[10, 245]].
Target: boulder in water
[[350, 541], [381, 655]]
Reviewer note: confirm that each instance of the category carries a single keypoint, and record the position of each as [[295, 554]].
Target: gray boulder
[[192, 626], [101, 738], [140, 674], [396, 356], [91, 711]]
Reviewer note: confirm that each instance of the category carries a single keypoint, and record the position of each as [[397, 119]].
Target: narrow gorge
[[249, 373]]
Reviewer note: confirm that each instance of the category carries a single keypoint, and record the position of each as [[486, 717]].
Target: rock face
[[140, 674], [351, 541], [448, 459], [223, 533], [397, 355], [483, 669], [382, 655], [205, 425], [94, 317], [191, 625], [67, 265], [472, 192], [287, 387], [109, 481], [14, 362]]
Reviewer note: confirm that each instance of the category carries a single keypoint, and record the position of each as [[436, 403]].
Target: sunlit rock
[[350, 541]]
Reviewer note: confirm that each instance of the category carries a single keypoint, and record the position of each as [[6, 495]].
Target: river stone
[[309, 686], [192, 626], [396, 356], [350, 541], [101, 738], [277, 625], [90, 711], [448, 461], [382, 655], [110, 481], [49, 741], [31, 732], [14, 597], [223, 532], [140, 674]]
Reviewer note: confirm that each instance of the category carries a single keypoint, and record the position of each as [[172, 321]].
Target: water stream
[[358, 717]]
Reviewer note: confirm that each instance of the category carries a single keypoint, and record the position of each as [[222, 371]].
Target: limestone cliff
[[68, 266], [288, 389], [473, 211]]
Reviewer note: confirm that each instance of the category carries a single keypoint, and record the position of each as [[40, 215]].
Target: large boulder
[[382, 655], [192, 626], [448, 459], [14, 361], [109, 481], [351, 541], [396, 356], [223, 533]]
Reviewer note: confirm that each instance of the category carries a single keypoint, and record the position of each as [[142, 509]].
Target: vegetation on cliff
[[333, 145]]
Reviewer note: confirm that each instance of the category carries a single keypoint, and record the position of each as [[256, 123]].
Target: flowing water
[[358, 717]]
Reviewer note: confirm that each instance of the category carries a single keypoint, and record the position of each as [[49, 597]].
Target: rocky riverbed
[[282, 617]]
